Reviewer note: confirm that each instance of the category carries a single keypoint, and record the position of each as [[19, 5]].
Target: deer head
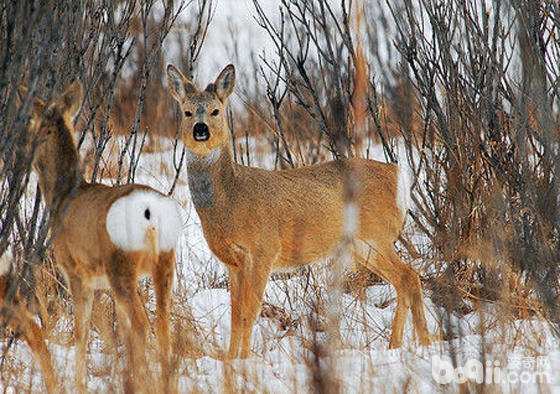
[[203, 126]]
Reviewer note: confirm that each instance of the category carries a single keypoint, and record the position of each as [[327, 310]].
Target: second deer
[[258, 221], [105, 237]]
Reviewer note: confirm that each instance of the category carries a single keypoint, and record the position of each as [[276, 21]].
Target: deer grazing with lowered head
[[258, 221], [105, 237]]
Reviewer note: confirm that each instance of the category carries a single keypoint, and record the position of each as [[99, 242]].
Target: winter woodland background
[[464, 94]]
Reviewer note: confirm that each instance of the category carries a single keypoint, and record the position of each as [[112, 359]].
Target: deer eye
[[188, 114], [215, 112]]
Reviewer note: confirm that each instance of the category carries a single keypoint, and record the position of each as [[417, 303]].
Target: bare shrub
[[115, 49], [471, 89]]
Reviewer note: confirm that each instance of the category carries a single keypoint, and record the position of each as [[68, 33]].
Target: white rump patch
[[403, 191], [134, 220]]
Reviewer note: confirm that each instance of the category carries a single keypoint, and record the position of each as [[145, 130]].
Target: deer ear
[[225, 82], [38, 105], [71, 100], [178, 85]]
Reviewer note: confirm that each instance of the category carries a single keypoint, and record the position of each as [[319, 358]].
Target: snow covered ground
[[283, 359]]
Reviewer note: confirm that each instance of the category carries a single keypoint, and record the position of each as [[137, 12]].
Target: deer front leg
[[235, 337], [247, 283], [163, 283], [254, 278], [246, 300], [252, 288]]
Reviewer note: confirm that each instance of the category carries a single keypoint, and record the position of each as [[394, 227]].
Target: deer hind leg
[[163, 283], [122, 275], [35, 338], [133, 324], [384, 261], [82, 300], [412, 280]]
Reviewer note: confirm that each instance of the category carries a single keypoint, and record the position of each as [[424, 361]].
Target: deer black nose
[[201, 132]]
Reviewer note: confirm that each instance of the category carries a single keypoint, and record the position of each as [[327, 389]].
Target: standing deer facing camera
[[257, 221], [105, 237]]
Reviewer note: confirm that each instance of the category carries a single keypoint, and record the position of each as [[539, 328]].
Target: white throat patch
[[209, 158], [135, 221]]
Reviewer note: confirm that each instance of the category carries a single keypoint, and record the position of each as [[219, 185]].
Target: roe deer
[[257, 221], [105, 237], [16, 315]]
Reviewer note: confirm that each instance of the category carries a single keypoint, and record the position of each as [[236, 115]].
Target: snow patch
[[132, 218], [6, 262], [403, 191]]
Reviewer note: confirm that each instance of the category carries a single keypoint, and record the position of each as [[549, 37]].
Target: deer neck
[[57, 165], [210, 178]]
